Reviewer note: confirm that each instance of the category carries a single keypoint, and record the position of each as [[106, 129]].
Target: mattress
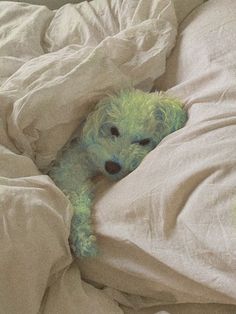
[[167, 231]]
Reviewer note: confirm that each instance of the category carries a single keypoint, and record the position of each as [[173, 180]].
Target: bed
[[167, 231]]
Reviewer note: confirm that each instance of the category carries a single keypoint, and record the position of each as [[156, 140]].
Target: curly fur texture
[[115, 138]]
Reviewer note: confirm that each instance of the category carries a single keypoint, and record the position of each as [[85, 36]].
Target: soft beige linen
[[55, 65], [168, 231], [183, 7], [113, 44]]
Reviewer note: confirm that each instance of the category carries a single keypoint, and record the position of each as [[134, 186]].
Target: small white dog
[[115, 138]]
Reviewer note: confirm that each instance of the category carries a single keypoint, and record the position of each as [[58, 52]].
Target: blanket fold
[[55, 65]]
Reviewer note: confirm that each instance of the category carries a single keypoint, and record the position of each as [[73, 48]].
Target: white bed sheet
[[55, 65], [186, 251], [167, 231]]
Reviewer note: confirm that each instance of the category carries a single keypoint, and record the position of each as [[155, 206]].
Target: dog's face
[[123, 129]]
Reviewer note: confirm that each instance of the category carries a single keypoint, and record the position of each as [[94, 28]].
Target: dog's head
[[124, 128]]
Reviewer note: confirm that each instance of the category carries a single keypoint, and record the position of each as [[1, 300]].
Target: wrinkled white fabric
[[167, 231], [184, 7], [55, 65], [83, 51]]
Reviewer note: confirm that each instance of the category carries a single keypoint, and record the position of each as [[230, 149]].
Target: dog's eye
[[144, 142], [115, 131]]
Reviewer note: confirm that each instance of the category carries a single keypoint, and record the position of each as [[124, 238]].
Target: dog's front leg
[[82, 239], [72, 175]]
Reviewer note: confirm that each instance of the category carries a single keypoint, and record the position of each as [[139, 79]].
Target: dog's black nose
[[112, 167]]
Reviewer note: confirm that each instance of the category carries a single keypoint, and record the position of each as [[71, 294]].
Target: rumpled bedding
[[166, 231], [55, 66]]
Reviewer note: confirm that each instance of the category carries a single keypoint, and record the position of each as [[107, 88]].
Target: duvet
[[167, 231]]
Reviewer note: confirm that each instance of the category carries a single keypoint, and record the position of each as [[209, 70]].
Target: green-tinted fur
[[137, 116]]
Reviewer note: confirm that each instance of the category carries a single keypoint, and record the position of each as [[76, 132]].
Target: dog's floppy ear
[[96, 117], [169, 113]]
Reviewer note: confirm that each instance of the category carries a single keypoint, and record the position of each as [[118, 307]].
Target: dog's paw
[[84, 248], [82, 241]]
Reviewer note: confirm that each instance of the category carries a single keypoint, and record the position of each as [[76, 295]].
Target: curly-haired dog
[[115, 138]]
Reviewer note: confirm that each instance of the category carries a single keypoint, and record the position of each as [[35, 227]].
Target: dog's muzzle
[[112, 167]]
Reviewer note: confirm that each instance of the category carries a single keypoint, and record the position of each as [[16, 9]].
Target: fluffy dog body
[[115, 138]]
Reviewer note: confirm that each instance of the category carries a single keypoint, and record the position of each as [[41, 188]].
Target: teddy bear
[[115, 138]]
